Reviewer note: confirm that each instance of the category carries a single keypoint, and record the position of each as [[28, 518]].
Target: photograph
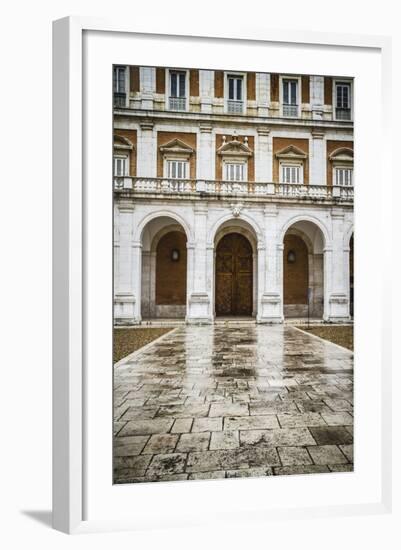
[[233, 273]]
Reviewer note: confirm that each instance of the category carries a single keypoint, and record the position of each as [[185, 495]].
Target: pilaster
[[199, 300], [317, 166], [147, 86], [147, 149], [270, 309], [338, 291], [263, 155]]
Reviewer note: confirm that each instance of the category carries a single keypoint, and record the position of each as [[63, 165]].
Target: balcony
[[222, 188], [290, 110], [235, 106], [177, 103]]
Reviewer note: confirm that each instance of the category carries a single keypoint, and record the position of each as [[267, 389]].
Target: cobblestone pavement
[[218, 401]]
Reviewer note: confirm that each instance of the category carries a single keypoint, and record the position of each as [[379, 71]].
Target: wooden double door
[[234, 276]]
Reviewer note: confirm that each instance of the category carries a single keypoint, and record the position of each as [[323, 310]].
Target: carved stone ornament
[[236, 209], [234, 148]]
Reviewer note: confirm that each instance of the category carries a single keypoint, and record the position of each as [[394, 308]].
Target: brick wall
[[305, 89], [296, 274], [194, 82], [251, 161], [282, 143], [274, 87], [160, 80], [131, 135], [188, 138], [332, 145], [134, 78], [251, 86], [171, 277], [328, 90]]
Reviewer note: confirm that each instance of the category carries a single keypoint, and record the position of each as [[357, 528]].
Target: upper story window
[[290, 97], [119, 86], [177, 169], [177, 90], [343, 176], [342, 160], [120, 165], [235, 171], [343, 100], [291, 173], [292, 161], [235, 94]]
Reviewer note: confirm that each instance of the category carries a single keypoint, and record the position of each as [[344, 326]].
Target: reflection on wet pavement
[[218, 401]]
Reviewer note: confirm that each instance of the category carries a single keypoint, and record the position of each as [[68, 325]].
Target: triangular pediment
[[291, 152], [235, 148], [177, 147], [121, 142], [342, 154]]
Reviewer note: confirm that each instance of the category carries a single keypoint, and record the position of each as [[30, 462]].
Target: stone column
[[317, 96], [206, 90], [147, 150], [127, 296], [270, 296], [338, 292], [263, 155], [147, 86], [317, 164], [198, 297], [206, 153]]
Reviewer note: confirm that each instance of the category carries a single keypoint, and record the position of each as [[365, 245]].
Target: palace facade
[[233, 195]]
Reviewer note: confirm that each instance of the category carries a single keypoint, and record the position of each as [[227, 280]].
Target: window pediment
[[234, 148], [291, 153], [176, 147], [122, 143], [342, 155]]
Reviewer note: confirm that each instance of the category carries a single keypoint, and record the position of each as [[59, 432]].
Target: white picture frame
[[74, 259]]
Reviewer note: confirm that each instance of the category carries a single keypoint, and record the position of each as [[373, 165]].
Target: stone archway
[[303, 270], [234, 276], [164, 269]]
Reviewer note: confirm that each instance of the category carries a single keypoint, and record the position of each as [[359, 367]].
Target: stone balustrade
[[229, 188]]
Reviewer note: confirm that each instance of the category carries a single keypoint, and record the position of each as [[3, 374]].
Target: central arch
[[234, 275]]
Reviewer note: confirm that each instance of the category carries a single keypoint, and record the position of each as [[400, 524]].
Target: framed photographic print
[[208, 192]]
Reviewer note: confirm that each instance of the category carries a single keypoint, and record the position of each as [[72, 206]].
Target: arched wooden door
[[234, 276]]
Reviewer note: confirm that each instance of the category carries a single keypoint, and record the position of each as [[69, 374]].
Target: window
[[119, 87], [178, 90], [291, 173], [343, 101], [235, 101], [343, 176], [177, 169], [234, 171], [290, 97], [120, 166]]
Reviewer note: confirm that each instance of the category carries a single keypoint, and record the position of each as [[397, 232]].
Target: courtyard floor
[[233, 401]]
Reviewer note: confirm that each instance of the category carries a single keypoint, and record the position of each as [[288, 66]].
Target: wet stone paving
[[223, 401]]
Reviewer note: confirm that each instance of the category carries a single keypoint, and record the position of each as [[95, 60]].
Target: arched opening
[[164, 269], [351, 276], [234, 276], [303, 269]]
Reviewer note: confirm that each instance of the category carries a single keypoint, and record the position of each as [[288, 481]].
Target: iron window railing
[[177, 103], [235, 106], [343, 113], [119, 99], [290, 110]]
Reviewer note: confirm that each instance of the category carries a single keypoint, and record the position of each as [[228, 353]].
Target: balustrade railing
[[228, 188]]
